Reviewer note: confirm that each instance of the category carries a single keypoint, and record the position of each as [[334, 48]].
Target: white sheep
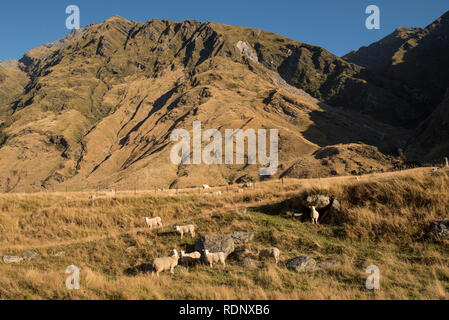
[[185, 229], [217, 193], [111, 193], [314, 215], [206, 187], [190, 258], [154, 222], [248, 185], [166, 263], [270, 252], [214, 257]]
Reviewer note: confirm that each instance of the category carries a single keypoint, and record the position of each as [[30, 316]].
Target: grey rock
[[301, 264], [440, 229], [12, 259], [223, 244], [318, 201], [251, 263], [30, 255], [242, 237]]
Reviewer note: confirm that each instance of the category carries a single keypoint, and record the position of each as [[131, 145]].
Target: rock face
[[223, 244], [242, 237], [12, 259], [249, 51], [30, 255], [301, 264], [440, 229]]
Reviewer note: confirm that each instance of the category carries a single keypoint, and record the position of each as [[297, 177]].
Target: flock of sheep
[[210, 258]]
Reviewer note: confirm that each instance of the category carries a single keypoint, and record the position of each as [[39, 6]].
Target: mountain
[[12, 82], [101, 103], [413, 63], [431, 141]]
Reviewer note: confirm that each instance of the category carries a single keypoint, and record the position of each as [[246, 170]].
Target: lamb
[[314, 215], [152, 223], [270, 252], [166, 263], [214, 257], [186, 229], [190, 258]]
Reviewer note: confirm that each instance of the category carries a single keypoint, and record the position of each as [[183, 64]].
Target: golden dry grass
[[383, 222]]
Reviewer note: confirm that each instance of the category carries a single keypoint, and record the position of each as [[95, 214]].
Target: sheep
[[217, 193], [152, 223], [111, 193], [314, 215], [214, 257], [190, 258], [248, 185], [166, 263], [206, 187], [270, 252], [185, 229]]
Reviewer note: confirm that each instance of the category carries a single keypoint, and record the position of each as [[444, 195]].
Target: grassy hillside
[[383, 221]]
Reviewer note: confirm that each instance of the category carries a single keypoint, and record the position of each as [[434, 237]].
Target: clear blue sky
[[337, 25]]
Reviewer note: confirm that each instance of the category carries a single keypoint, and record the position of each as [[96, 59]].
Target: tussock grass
[[383, 222]]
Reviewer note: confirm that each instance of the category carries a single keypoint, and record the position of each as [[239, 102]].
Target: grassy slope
[[382, 223]]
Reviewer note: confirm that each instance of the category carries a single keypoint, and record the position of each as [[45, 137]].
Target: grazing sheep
[[214, 257], [190, 258], [153, 223], [217, 193], [314, 215], [111, 193], [270, 252], [248, 185], [186, 229], [206, 187], [166, 263]]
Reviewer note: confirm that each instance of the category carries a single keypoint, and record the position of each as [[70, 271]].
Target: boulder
[[223, 244], [301, 264], [30, 255], [318, 201], [242, 237], [251, 263], [440, 229], [241, 253], [12, 259]]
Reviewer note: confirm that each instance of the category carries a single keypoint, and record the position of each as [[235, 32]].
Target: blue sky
[[337, 25]]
